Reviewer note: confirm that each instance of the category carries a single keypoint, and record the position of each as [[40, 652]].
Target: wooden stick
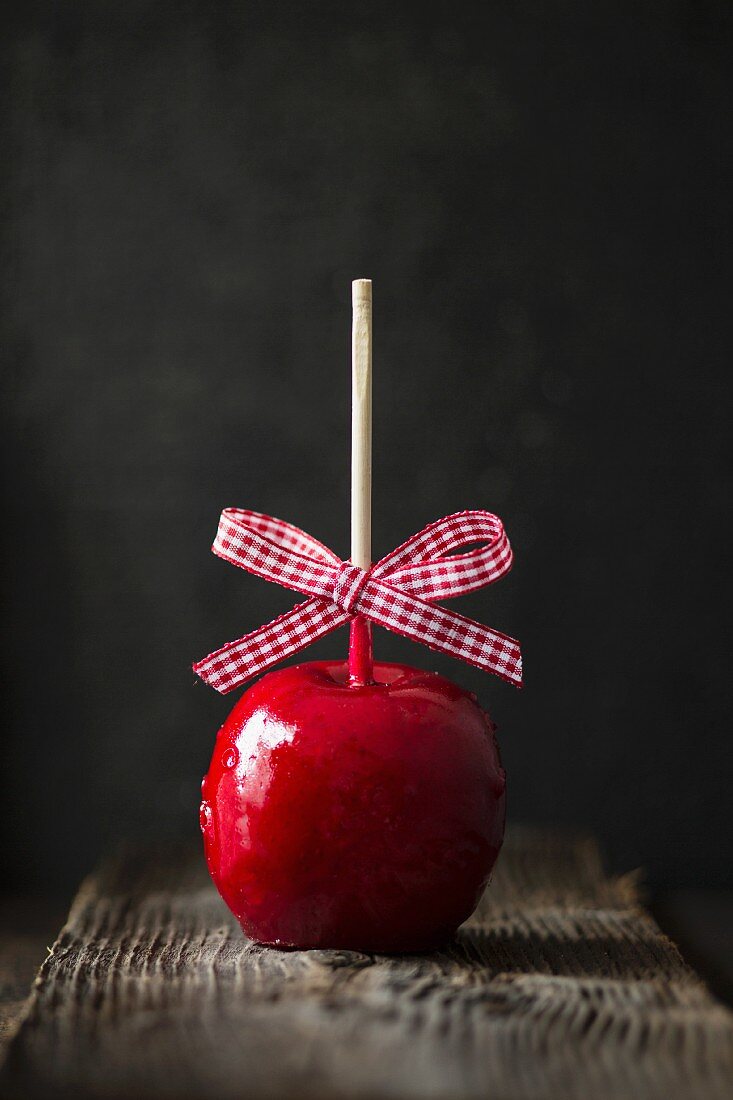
[[361, 423], [360, 646]]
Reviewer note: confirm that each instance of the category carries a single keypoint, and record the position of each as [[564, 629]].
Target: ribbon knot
[[398, 593], [348, 585]]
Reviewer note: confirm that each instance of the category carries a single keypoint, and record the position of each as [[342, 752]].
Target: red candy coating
[[362, 817]]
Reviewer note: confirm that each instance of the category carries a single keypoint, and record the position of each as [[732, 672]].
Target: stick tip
[[361, 290]]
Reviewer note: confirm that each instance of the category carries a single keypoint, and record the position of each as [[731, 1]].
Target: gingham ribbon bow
[[396, 593]]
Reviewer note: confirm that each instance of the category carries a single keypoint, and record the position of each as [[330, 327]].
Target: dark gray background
[[538, 192]]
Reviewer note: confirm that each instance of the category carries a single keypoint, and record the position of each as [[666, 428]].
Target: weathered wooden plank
[[26, 929], [561, 986]]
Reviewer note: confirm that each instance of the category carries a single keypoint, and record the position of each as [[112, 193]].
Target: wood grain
[[561, 986]]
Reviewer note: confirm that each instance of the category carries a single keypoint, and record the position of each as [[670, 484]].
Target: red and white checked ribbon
[[396, 593]]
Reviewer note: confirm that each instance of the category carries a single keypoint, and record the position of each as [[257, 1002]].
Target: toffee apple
[[352, 804], [344, 816]]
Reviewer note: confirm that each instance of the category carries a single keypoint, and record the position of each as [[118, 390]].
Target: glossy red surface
[[365, 817]]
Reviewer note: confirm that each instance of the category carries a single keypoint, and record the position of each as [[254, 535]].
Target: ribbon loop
[[396, 593], [428, 566]]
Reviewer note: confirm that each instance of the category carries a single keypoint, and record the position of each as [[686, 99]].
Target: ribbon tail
[[445, 631], [238, 661]]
